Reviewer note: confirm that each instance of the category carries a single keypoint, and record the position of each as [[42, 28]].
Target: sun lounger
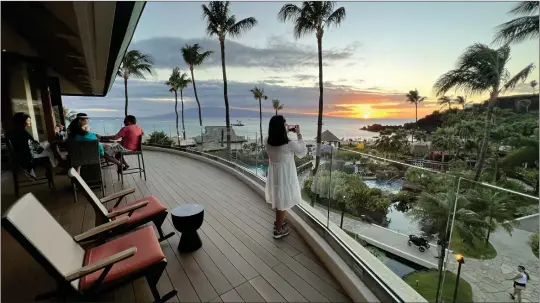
[[142, 211], [85, 274]]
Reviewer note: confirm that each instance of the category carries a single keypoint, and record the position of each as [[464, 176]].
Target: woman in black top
[[26, 147], [21, 141]]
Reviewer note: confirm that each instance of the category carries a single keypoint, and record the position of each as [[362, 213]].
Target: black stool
[[187, 219]]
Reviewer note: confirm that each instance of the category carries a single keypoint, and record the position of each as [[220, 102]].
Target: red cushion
[[153, 207], [148, 252]]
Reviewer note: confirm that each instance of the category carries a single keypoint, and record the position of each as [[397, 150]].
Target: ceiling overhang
[[81, 43]]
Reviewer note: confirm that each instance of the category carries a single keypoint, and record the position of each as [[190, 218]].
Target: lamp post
[[460, 260]]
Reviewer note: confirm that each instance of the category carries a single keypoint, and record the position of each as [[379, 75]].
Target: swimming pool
[[399, 221]]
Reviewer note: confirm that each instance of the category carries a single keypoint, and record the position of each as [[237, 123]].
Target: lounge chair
[[85, 273], [142, 211]]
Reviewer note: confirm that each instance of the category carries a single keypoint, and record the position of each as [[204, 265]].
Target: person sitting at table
[[29, 151], [79, 130], [130, 136]]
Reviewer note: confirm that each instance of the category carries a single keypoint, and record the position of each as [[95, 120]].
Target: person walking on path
[[282, 189], [520, 283]]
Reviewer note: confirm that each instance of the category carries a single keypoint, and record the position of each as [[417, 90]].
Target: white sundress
[[282, 188]]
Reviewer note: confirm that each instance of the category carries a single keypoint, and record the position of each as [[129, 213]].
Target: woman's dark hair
[[75, 128], [131, 119], [277, 132], [19, 120]]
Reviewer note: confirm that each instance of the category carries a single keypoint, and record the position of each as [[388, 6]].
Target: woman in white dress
[[282, 188]]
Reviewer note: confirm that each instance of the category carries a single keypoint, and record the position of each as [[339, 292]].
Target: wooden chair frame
[[66, 290], [102, 217]]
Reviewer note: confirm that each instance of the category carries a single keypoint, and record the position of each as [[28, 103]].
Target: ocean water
[[341, 127]]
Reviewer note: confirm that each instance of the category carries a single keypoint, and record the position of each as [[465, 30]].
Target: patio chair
[[142, 211], [15, 170], [85, 274], [85, 154], [140, 169]]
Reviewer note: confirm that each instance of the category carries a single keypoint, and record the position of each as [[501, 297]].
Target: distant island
[[378, 127]]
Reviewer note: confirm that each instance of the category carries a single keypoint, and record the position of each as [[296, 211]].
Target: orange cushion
[[148, 252], [153, 207]]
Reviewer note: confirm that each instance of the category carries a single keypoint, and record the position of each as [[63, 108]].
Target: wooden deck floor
[[239, 260]]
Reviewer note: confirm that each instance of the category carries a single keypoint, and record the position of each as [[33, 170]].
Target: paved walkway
[[486, 277], [386, 239]]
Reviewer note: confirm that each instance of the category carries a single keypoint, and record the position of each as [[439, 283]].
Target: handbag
[[35, 147]]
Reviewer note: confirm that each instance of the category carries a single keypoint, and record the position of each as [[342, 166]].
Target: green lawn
[[479, 251], [427, 286]]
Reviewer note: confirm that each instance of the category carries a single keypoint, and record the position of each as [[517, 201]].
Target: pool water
[[399, 221], [260, 169], [387, 186]]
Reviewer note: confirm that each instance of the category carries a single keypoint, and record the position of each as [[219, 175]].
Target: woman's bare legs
[[280, 218], [518, 294]]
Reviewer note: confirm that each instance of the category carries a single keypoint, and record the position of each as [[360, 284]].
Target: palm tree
[[434, 211], [481, 69], [258, 94], [220, 23], [137, 64], [533, 84], [194, 57], [277, 105], [460, 100], [496, 207], [414, 97], [178, 81], [444, 101], [313, 17], [521, 28]]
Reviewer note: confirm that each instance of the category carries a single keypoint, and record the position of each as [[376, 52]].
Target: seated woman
[[79, 130], [130, 137], [30, 153]]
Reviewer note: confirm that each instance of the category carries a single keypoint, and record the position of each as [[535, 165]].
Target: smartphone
[[292, 129]]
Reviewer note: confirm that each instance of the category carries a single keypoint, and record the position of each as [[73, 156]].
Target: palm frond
[[336, 18], [210, 15], [289, 12], [242, 26], [519, 77], [517, 30], [526, 8]]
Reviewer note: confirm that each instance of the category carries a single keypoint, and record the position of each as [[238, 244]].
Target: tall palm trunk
[[416, 119], [321, 106], [487, 126], [126, 94], [276, 112], [183, 125], [260, 121], [198, 103], [227, 118], [176, 112]]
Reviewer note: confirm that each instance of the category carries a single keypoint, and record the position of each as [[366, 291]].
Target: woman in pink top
[[130, 138]]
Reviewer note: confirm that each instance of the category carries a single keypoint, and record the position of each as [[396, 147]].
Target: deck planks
[[239, 261]]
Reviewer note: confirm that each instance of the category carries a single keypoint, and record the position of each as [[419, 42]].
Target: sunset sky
[[380, 52]]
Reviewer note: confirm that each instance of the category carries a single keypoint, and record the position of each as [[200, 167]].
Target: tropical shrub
[[159, 138]]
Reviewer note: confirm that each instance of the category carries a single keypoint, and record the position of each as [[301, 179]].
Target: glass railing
[[420, 217], [417, 216]]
